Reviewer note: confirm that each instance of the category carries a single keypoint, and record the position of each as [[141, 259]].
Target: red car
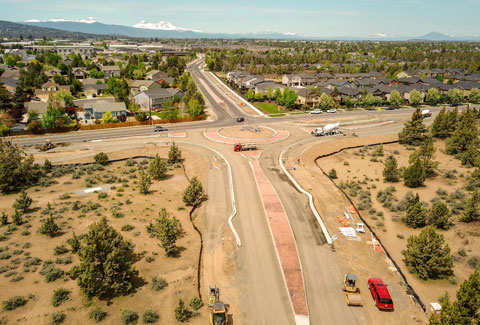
[[380, 294]]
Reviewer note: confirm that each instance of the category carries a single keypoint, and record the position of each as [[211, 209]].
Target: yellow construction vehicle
[[352, 293], [47, 145], [218, 312]]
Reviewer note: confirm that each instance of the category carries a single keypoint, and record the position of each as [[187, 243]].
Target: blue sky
[[308, 17]]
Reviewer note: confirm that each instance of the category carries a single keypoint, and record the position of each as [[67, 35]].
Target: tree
[[194, 108], [414, 131], [55, 116], [270, 94], [465, 134], [391, 173], [466, 308], [289, 98], [5, 97], [368, 100], [74, 242], [332, 174], [439, 127], [416, 215], [174, 154], [47, 166], [105, 267], [168, 229], [182, 313], [101, 158], [396, 100], [470, 157], [17, 218], [49, 227], [107, 118], [259, 97], [169, 111], [16, 169], [427, 255], [326, 101], [277, 95], [474, 96], [144, 182], [455, 96], [415, 98], [158, 168], [433, 96], [23, 202], [471, 212], [426, 154], [250, 95], [439, 216], [414, 175], [194, 195]]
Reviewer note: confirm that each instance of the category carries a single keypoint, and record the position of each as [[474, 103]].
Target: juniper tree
[[101, 158], [174, 154], [427, 255], [23, 202], [332, 173], [194, 195], [439, 216], [144, 182], [426, 154], [105, 266], [465, 134], [49, 227], [414, 131], [391, 172], [182, 313], [416, 215], [158, 168], [471, 212], [168, 229], [414, 175]]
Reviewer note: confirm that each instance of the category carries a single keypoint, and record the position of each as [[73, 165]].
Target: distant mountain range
[[14, 30], [164, 29]]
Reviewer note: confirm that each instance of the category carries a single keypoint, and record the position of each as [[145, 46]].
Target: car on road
[[389, 108], [333, 110], [240, 119], [380, 294], [316, 111], [159, 128]]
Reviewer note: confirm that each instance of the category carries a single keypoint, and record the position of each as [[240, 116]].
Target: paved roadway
[[261, 295]]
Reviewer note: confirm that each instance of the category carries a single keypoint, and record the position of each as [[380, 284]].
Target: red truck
[[244, 146]]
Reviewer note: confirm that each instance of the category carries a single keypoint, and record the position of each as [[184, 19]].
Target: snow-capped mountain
[[162, 25], [88, 20]]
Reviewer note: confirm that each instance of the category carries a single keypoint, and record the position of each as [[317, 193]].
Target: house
[[250, 82], [97, 109], [348, 92], [302, 79], [13, 73], [111, 71], [306, 97], [80, 73], [37, 106], [264, 86], [49, 88], [67, 61], [409, 81], [137, 86], [9, 83], [406, 74], [156, 75], [153, 99], [53, 72], [94, 90], [324, 76]]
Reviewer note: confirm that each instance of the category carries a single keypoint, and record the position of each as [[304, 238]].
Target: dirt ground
[[25, 243], [247, 132], [357, 165]]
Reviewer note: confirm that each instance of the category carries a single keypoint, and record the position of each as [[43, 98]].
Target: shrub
[[50, 272], [150, 316], [196, 303], [59, 296], [127, 227], [97, 314], [58, 318], [473, 261], [332, 173], [60, 249], [14, 303], [49, 227], [182, 313], [129, 317], [158, 283], [101, 158], [461, 252]]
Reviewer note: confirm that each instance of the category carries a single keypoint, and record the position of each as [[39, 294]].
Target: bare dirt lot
[[358, 165], [129, 213]]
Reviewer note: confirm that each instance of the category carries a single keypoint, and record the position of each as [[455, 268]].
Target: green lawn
[[269, 108]]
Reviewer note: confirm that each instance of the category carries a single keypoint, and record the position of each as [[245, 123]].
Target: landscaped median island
[[106, 241]]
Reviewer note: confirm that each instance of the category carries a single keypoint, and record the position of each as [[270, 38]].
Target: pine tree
[[144, 182], [465, 134], [390, 170], [471, 157], [49, 227], [23, 202], [168, 230], [182, 313], [466, 308], [175, 154], [439, 216], [439, 127], [426, 154], [471, 212], [428, 256], [414, 131], [17, 218], [4, 219], [105, 268], [416, 215], [332, 173], [158, 168], [47, 166], [194, 195], [414, 175]]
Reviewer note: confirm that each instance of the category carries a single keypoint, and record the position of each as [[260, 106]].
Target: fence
[[138, 123]]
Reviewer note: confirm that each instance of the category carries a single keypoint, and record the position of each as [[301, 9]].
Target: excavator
[[47, 145], [218, 312]]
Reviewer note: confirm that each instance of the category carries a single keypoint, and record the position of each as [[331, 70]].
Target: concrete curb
[[310, 197], [248, 139], [239, 97]]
